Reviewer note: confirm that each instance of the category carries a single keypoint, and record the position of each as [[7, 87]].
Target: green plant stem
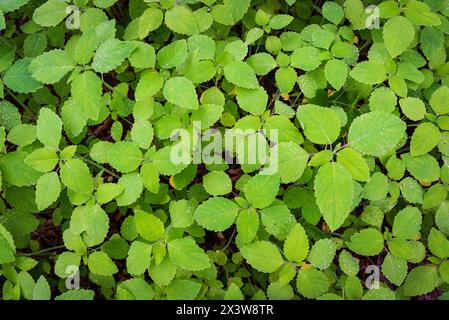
[[317, 9], [99, 167], [10, 93], [229, 241], [107, 85], [36, 253]]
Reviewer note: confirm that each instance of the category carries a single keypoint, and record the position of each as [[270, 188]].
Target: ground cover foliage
[[94, 207]]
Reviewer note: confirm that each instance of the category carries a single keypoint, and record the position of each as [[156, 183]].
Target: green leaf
[[87, 93], [261, 63], [336, 72], [322, 38], [353, 288], [111, 54], [149, 84], [296, 246], [133, 187], [99, 263], [306, 58], [424, 168], [355, 12], [107, 192], [48, 129], [354, 163], [41, 289], [97, 225], [383, 99], [394, 269], [64, 263], [163, 161], [233, 293], [7, 247], [182, 20], [376, 188], [12, 5], [376, 133], [263, 256], [394, 26], [241, 74], [278, 220], [181, 92], [333, 12], [51, 13], [413, 251], [253, 35], [148, 226], [280, 21], [434, 196], [150, 177], [139, 257], [9, 116], [438, 100], [237, 49], [116, 247], [149, 21], [163, 273], [369, 72], [201, 71], [396, 168], [230, 12], [43, 159], [216, 214], [321, 125], [348, 263], [322, 253], [261, 190], [334, 191], [286, 79], [202, 46], [286, 130], [419, 14], [425, 137], [125, 156], [75, 175], [15, 171], [407, 223], [438, 244], [181, 213], [19, 79], [86, 46], [138, 288], [51, 66], [292, 161], [413, 108], [77, 294], [312, 283], [48, 188], [421, 280], [432, 43], [367, 242], [172, 55], [22, 134], [217, 183], [186, 254], [253, 101], [183, 289], [143, 57], [104, 4], [247, 225]]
